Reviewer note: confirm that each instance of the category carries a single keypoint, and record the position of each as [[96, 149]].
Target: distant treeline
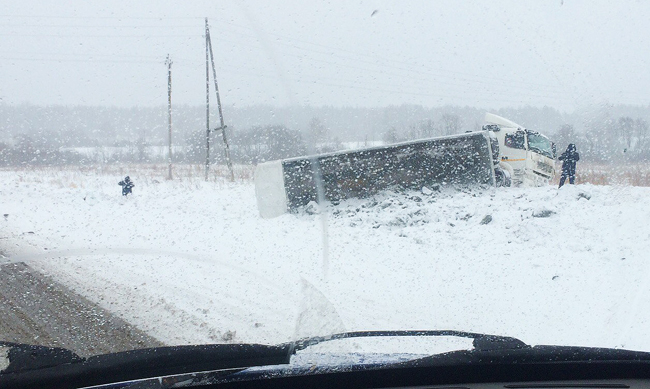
[[37, 135]]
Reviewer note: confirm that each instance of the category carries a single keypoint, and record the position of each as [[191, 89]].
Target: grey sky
[[479, 53]]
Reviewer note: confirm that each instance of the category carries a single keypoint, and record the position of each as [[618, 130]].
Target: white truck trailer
[[502, 154]]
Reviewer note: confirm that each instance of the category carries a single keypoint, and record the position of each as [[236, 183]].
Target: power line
[[427, 75], [444, 80], [361, 53], [318, 78], [141, 36], [53, 53], [94, 26], [315, 79], [497, 96], [308, 52], [104, 17], [76, 60], [440, 78]]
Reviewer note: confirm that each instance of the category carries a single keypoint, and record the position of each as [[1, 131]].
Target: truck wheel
[[502, 177]]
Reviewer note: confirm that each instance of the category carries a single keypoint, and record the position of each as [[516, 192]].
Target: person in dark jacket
[[127, 185], [569, 159]]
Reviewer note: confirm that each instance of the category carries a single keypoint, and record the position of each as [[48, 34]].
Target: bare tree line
[[611, 140], [55, 135]]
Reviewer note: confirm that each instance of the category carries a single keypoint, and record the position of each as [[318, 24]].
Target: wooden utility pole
[[169, 110], [216, 87], [207, 101]]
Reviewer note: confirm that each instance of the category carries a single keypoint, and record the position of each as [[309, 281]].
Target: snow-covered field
[[192, 262]]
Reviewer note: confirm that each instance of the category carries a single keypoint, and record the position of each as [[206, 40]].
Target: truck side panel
[[457, 160]]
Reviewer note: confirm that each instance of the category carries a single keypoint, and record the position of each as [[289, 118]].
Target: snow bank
[[194, 263]]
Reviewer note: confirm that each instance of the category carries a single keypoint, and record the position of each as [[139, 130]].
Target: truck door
[[514, 154]]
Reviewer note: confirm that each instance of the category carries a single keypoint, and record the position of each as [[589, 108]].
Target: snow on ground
[[192, 262]]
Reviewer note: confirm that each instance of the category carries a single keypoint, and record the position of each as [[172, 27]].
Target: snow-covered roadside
[[194, 263]]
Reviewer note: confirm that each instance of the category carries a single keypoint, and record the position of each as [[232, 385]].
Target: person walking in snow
[[127, 186], [569, 159]]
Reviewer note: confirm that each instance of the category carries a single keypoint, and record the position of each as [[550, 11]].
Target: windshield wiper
[[23, 357], [489, 349], [44, 367], [481, 341], [492, 356]]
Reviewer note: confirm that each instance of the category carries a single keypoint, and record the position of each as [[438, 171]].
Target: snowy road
[[34, 309], [192, 262]]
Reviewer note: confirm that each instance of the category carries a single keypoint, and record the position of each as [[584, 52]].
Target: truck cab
[[527, 157]]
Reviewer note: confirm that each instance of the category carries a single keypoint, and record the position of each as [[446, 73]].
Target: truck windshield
[[540, 144]]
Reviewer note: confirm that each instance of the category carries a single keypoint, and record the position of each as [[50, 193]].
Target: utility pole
[[169, 110], [207, 101], [216, 87]]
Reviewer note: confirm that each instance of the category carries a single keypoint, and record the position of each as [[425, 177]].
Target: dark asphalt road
[[35, 309]]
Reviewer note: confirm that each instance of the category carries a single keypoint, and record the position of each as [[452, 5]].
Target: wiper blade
[[23, 357], [535, 355], [44, 367], [61, 368], [481, 341]]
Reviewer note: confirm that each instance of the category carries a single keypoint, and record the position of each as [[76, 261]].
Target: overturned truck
[[464, 159]]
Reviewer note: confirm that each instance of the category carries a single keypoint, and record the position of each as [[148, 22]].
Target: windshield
[[206, 172], [540, 144]]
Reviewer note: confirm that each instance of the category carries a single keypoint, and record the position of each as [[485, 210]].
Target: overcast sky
[[490, 54]]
